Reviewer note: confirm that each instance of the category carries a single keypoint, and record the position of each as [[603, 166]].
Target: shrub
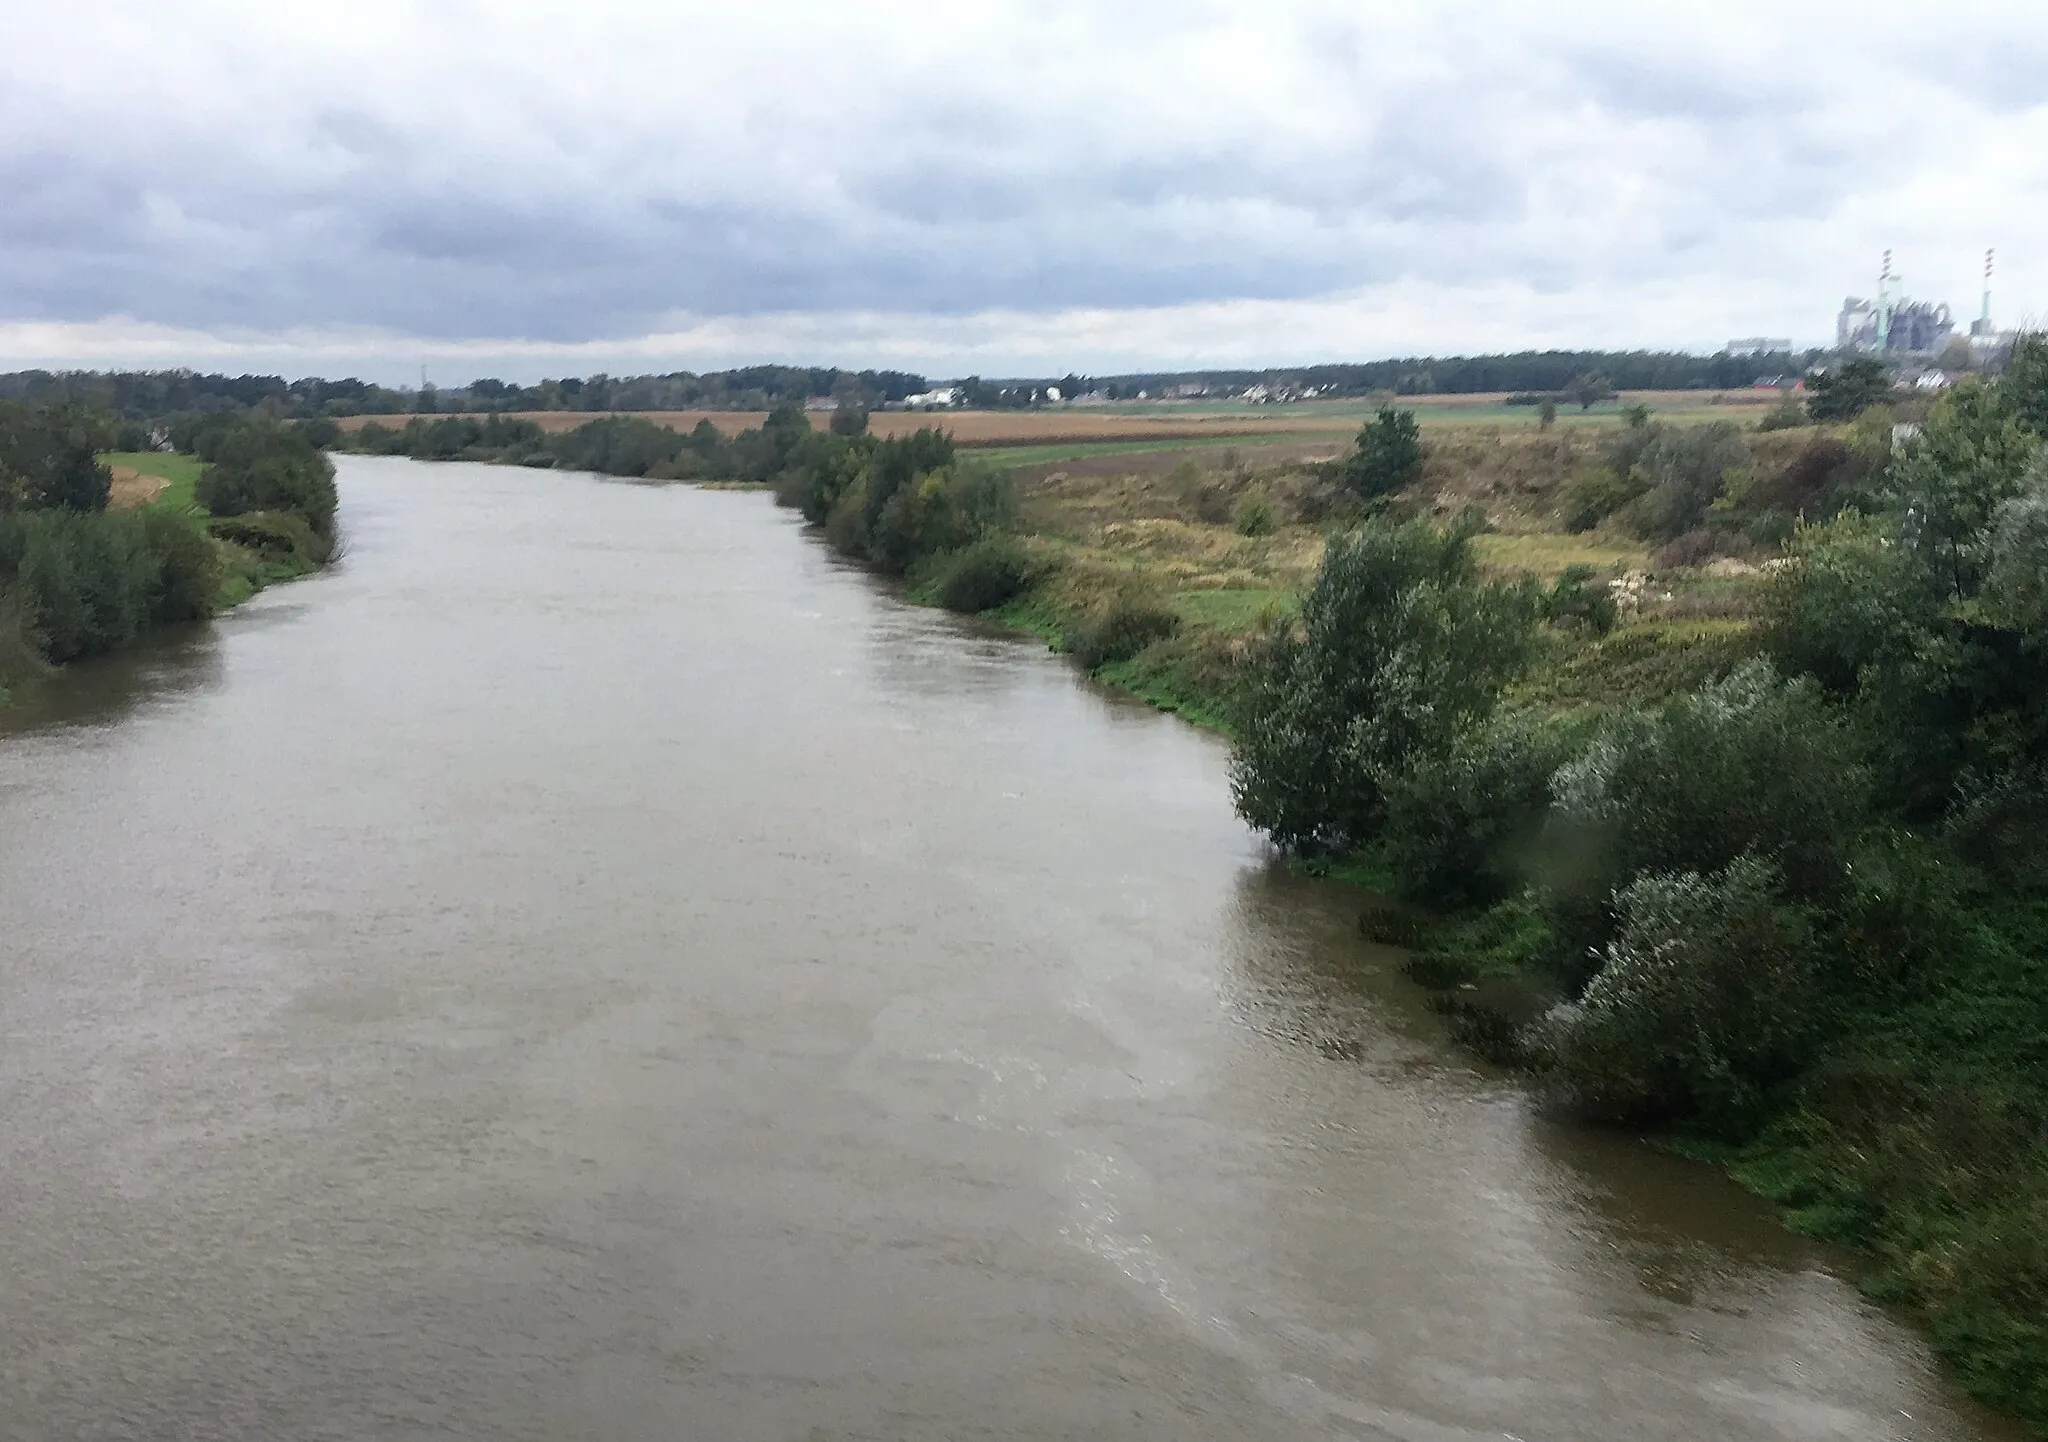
[[1707, 997], [1580, 598], [1996, 823], [1462, 824], [1849, 598], [85, 578], [1751, 764], [1256, 515], [1787, 415], [48, 458], [1595, 496], [276, 536], [984, 575], [1807, 484], [187, 567], [1951, 479], [20, 657], [1387, 457], [1399, 649], [1687, 469], [263, 467], [1120, 628]]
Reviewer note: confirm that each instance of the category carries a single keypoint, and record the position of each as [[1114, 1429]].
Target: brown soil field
[[1078, 427], [132, 490], [970, 428]]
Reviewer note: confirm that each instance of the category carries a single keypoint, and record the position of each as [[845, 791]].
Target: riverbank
[[1916, 1133], [151, 538]]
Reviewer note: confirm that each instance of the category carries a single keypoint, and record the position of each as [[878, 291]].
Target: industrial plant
[[1892, 323]]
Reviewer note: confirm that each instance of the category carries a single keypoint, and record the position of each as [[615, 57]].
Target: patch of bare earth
[[132, 490]]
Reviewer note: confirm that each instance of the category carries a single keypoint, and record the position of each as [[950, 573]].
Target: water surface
[[593, 967]]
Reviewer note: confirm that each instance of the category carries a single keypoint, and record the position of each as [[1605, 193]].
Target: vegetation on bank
[[252, 503], [1791, 907], [1706, 766]]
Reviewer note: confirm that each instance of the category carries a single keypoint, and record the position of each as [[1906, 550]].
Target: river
[[593, 967]]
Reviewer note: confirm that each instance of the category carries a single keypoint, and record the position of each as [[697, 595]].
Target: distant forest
[[148, 395]]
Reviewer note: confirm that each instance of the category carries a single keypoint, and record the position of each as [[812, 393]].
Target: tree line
[[157, 395]]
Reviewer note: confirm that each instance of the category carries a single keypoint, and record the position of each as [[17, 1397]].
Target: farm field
[[1080, 431]]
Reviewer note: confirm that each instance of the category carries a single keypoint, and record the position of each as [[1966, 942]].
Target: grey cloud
[[586, 217]]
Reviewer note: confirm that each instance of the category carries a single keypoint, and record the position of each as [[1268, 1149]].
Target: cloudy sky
[[521, 189]]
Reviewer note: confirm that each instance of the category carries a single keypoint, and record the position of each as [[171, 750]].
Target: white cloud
[[229, 181]]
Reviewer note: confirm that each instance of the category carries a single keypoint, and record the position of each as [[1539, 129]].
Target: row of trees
[[1803, 908], [156, 395], [159, 395]]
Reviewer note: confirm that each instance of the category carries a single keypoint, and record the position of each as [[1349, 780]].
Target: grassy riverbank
[[97, 547], [1908, 1119]]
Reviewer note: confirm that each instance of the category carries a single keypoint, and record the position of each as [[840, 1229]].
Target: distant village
[[1919, 340]]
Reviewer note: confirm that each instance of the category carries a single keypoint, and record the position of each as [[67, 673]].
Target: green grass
[[1548, 553], [1232, 610], [182, 472], [1081, 450]]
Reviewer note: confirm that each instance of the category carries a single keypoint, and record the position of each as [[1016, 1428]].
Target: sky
[[522, 189]]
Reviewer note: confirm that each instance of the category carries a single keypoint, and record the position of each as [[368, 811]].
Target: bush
[[1787, 415], [1387, 457], [1950, 481], [1996, 823], [1752, 764], [48, 458], [1595, 496], [86, 579], [1462, 824], [1849, 598], [983, 576], [1580, 598], [892, 520], [1120, 628], [261, 467], [1400, 648], [1707, 997], [275, 536], [20, 657], [187, 567], [1809, 483], [1256, 515], [1687, 470]]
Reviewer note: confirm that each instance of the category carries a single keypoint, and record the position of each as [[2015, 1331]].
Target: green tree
[[1400, 647], [1588, 389], [2025, 382], [1388, 456], [1844, 392], [1970, 458]]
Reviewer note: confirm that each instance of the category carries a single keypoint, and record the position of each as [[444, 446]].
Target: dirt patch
[[132, 490]]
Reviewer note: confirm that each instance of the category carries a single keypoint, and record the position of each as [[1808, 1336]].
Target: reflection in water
[[595, 967], [163, 668]]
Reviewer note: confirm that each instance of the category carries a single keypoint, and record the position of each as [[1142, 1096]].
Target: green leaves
[[1388, 456], [1399, 649]]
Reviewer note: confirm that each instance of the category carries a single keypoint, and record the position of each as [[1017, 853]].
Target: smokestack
[[1985, 320]]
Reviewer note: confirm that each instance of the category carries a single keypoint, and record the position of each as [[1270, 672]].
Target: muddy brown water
[[591, 967]]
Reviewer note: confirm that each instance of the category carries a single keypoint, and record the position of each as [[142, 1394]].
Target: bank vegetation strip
[[98, 545]]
